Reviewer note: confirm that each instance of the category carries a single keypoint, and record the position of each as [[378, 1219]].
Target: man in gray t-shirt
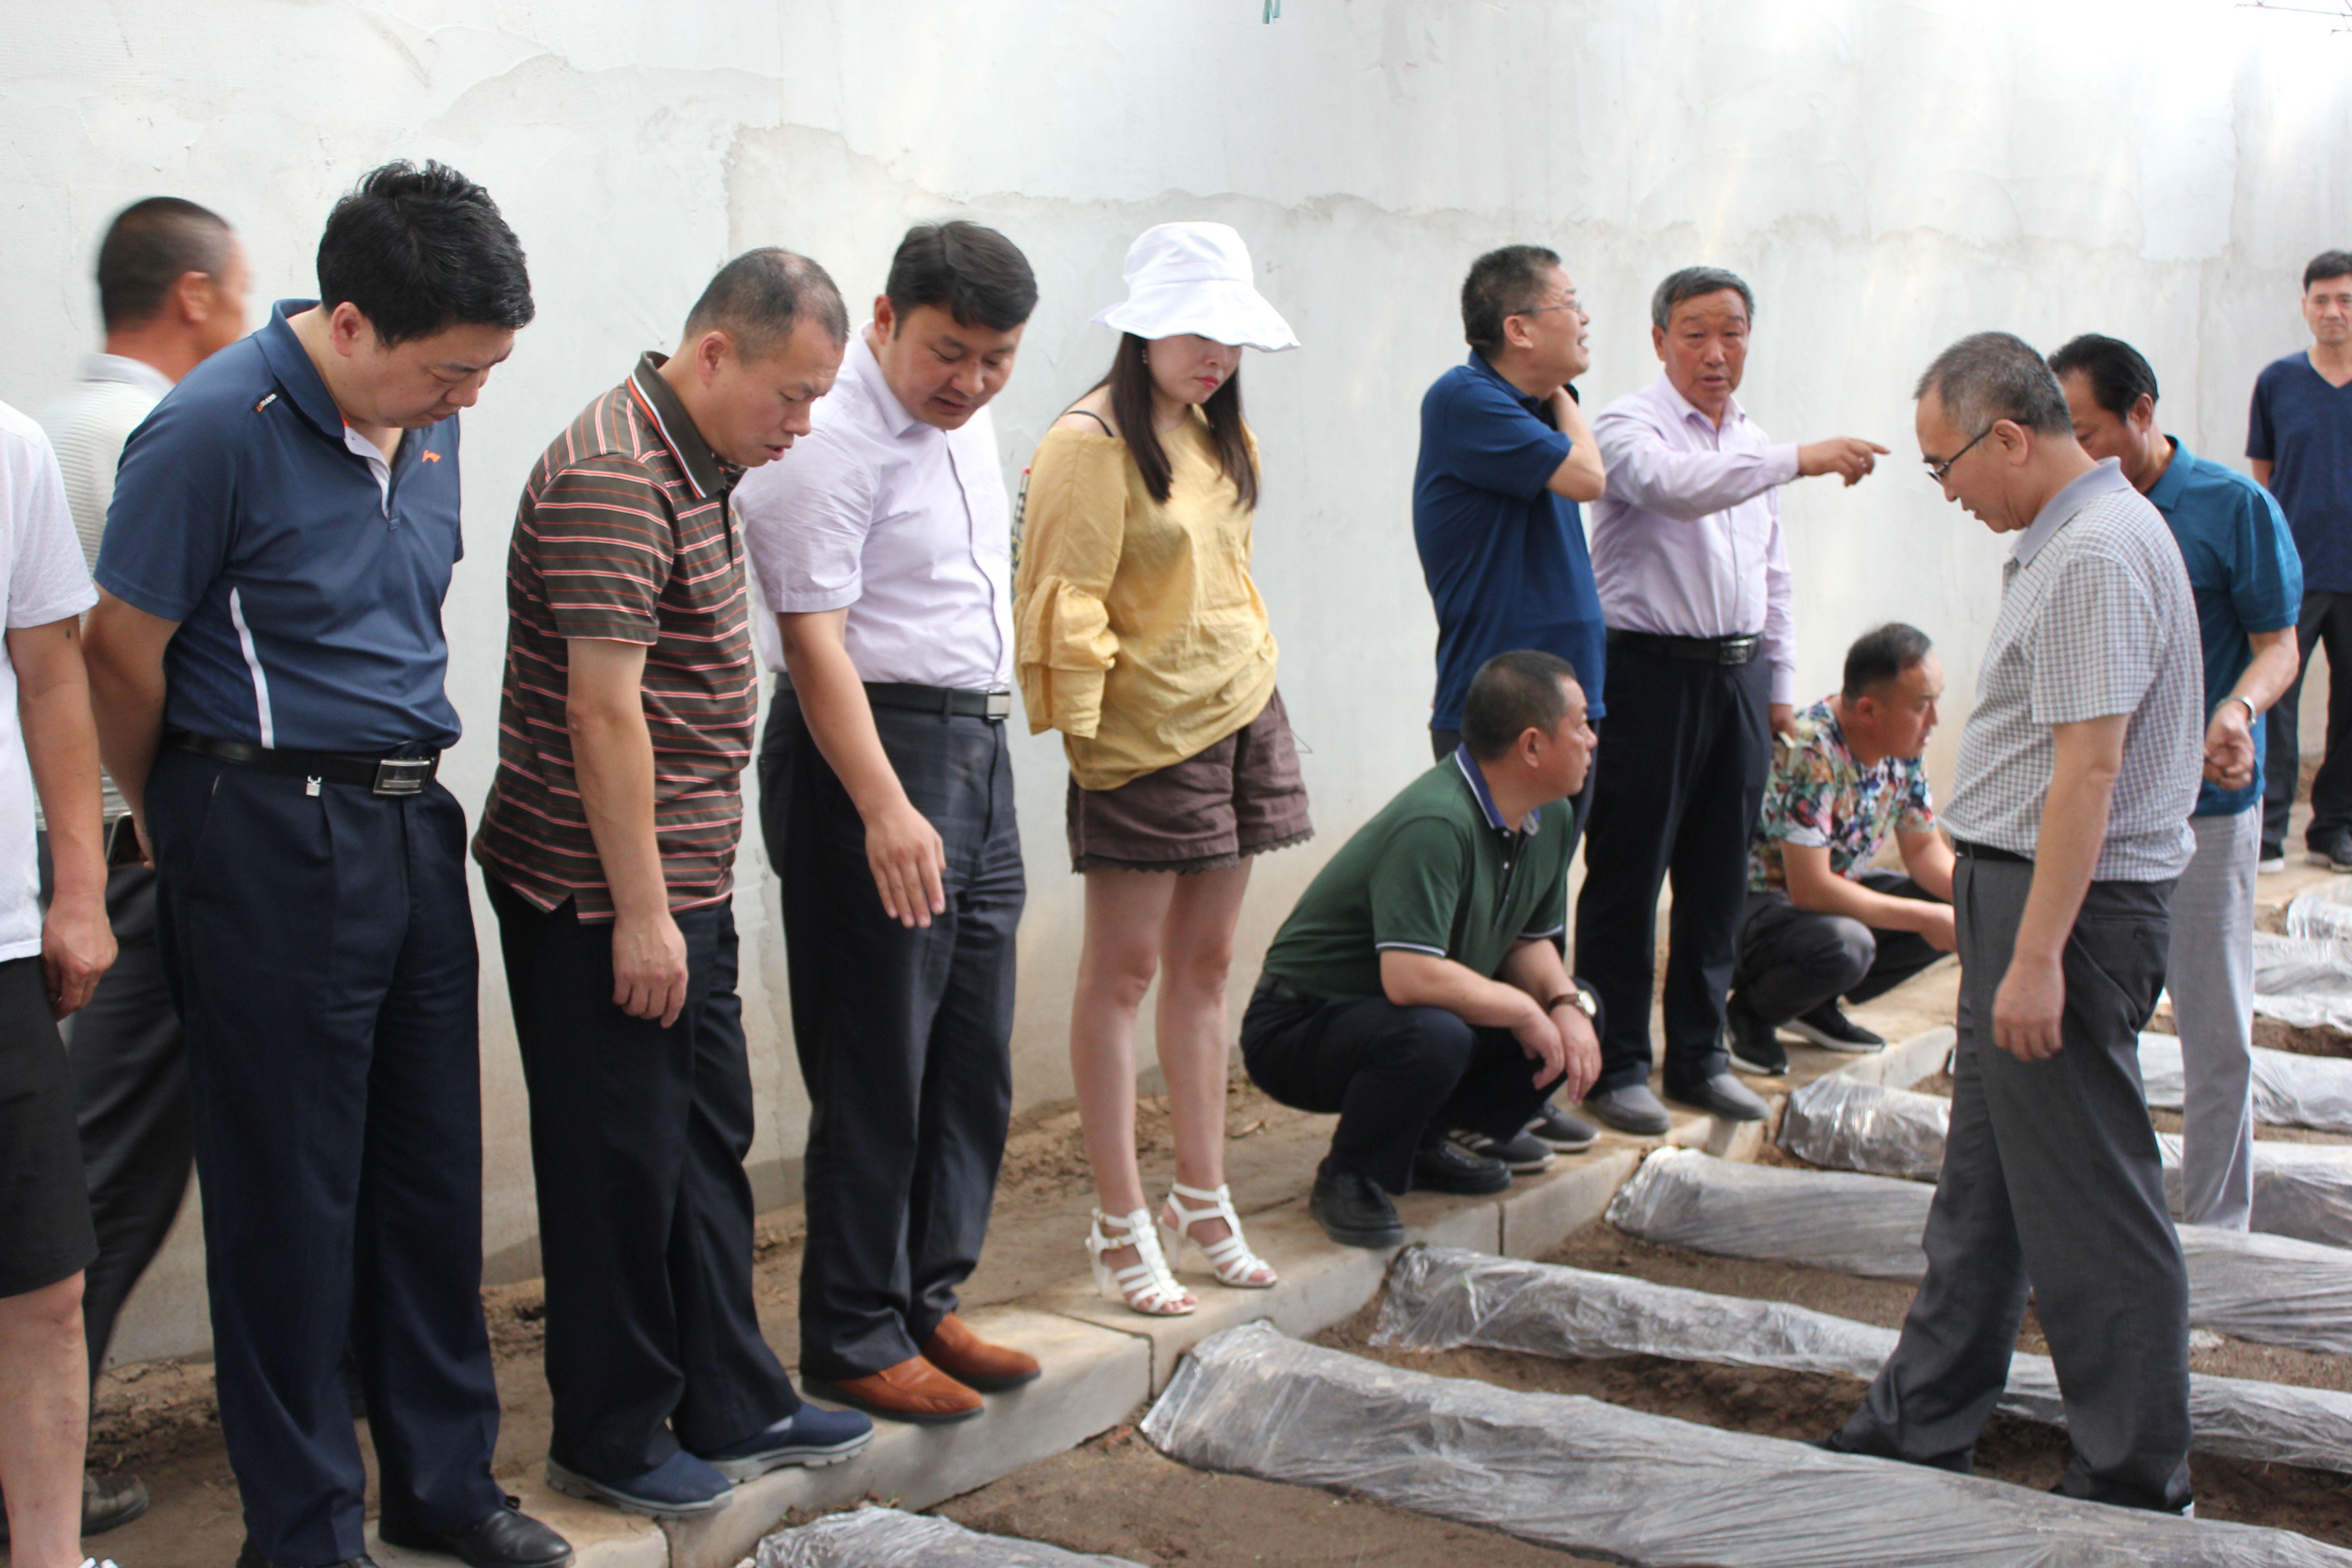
[[2077, 772]]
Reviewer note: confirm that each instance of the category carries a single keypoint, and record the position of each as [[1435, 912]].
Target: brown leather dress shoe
[[964, 1355], [914, 1390]]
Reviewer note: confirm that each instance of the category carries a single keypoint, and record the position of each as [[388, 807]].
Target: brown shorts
[[1241, 796]]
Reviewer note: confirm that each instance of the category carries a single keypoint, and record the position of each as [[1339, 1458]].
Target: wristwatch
[[1577, 997], [2250, 714]]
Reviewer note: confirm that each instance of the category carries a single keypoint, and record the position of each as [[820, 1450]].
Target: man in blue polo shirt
[[2247, 580], [266, 662], [1505, 455], [2299, 440]]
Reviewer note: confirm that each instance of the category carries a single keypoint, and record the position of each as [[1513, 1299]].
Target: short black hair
[[980, 277], [1991, 377], [1881, 655], [417, 251], [150, 247], [1502, 283], [1512, 693], [1696, 284], [2116, 374], [760, 296], [2327, 264]]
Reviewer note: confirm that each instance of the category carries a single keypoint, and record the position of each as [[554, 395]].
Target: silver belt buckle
[[1737, 650], [1000, 705], [403, 775]]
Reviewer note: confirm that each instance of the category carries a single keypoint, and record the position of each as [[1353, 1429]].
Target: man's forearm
[[61, 745], [2273, 669], [834, 703], [1424, 980], [2066, 852], [127, 698], [613, 761], [1535, 967], [1843, 896]]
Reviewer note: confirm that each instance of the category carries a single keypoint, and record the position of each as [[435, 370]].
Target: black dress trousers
[[321, 947], [1677, 784], [903, 1035], [637, 1140]]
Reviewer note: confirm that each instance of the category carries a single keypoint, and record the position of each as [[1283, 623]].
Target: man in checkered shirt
[[2077, 772]]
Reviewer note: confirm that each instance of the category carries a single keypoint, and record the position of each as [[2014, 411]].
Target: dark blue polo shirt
[[2245, 575], [2302, 426], [308, 597], [1505, 558]]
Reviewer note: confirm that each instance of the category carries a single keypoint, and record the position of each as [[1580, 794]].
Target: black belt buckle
[[1736, 650], [404, 775]]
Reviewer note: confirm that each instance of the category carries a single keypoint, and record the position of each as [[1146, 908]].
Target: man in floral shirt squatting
[[1820, 923]]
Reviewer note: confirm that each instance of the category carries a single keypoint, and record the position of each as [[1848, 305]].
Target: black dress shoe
[[2332, 848], [507, 1539], [1447, 1167], [1353, 1210]]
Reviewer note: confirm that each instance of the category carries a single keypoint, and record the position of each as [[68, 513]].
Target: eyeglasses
[[1574, 305], [1936, 471]]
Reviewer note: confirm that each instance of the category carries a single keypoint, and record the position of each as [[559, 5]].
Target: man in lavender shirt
[[1694, 587]]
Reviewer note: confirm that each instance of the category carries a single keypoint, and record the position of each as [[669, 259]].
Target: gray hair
[[1991, 377], [1692, 283]]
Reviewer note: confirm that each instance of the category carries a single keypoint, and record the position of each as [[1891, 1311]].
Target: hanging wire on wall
[[1273, 9], [2340, 9]]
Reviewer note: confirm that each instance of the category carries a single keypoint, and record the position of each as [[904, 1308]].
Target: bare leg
[[43, 1423], [1126, 913], [1196, 955]]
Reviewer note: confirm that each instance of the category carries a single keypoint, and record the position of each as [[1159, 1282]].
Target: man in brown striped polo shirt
[[609, 844]]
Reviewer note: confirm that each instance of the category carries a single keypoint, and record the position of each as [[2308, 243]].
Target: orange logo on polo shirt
[[429, 455]]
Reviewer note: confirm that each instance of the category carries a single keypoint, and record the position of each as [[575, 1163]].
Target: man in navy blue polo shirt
[[1505, 455], [2299, 440], [2247, 579], [267, 664]]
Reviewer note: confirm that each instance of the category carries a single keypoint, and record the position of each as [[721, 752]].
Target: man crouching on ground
[[1421, 970]]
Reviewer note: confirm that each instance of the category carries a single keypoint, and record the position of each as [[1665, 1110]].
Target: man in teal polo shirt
[[1421, 970], [2247, 578]]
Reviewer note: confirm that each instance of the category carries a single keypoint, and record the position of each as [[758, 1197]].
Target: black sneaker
[[1828, 1028], [1754, 1044], [2272, 858], [1523, 1152], [2332, 849], [1557, 1130], [1446, 1167], [1353, 1210]]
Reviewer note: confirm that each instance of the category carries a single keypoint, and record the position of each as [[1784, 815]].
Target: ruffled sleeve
[[1070, 542]]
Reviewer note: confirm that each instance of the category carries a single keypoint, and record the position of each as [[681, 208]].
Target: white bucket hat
[[1195, 278]]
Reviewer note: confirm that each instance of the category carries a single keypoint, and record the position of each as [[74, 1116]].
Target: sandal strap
[[1230, 1257], [1147, 1283]]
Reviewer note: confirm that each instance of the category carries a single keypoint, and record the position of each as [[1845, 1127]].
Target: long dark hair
[[1130, 404]]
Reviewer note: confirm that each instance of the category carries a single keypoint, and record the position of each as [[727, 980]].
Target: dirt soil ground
[[1117, 1495]]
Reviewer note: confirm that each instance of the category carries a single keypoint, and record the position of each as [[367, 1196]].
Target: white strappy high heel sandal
[[1229, 1258], [1145, 1285]]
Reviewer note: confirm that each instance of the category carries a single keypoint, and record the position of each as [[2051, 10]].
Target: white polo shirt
[[904, 525], [42, 579]]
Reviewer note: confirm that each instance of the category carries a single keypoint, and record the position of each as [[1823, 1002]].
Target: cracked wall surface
[[1888, 174]]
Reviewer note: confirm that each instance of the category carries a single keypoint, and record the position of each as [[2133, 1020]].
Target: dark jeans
[[321, 947], [903, 1035], [637, 1140], [1676, 790], [1791, 960], [2325, 622], [1399, 1078], [2051, 1181], [131, 1090]]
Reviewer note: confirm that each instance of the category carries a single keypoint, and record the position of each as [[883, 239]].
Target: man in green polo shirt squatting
[[1421, 970]]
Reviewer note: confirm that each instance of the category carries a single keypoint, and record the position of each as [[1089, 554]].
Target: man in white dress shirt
[[1695, 588], [171, 293], [883, 541]]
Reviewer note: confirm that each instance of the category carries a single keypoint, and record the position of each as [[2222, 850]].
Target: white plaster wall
[[1888, 175]]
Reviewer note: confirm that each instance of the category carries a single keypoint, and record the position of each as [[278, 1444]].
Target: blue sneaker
[[680, 1487], [809, 1435]]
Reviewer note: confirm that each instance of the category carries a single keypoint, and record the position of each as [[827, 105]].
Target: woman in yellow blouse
[[1143, 640]]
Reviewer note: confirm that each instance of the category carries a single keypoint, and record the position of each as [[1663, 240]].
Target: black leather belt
[[1738, 649], [946, 702], [383, 776], [1987, 852]]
